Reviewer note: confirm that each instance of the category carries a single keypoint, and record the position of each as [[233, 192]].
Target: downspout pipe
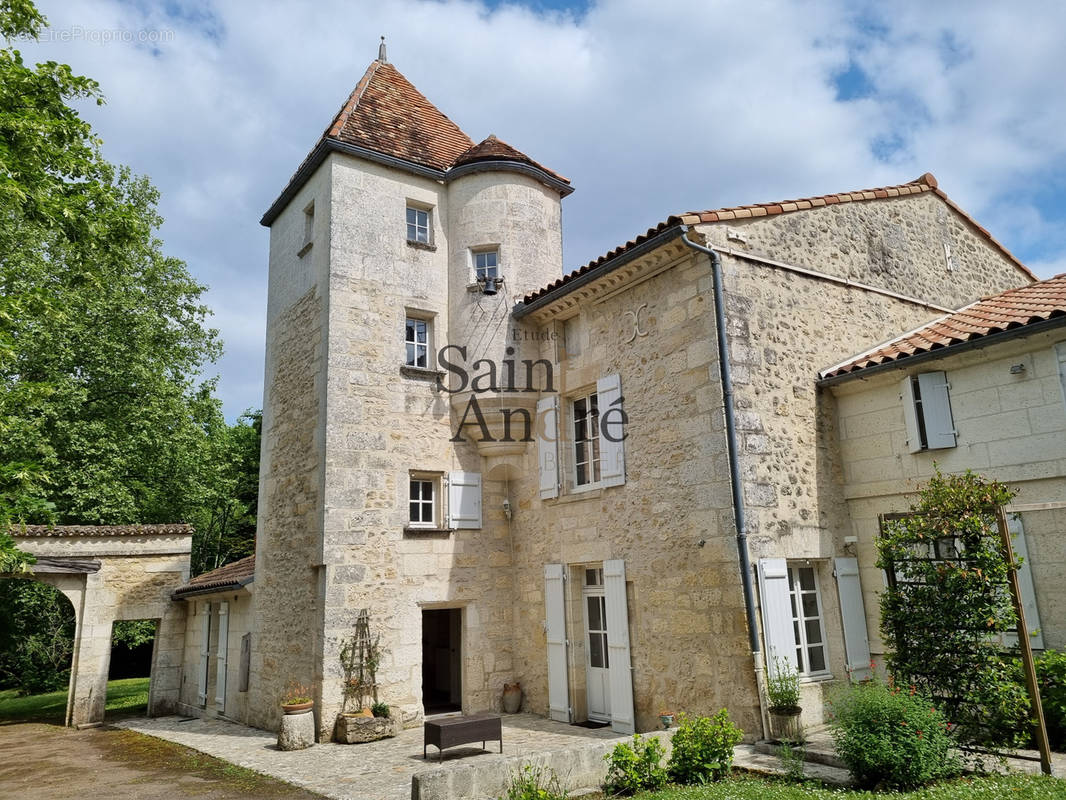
[[726, 373]]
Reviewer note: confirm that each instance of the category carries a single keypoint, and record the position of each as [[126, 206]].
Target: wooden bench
[[452, 731]]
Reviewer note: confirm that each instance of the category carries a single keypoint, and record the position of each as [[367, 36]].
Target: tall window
[[486, 264], [586, 440], [807, 619], [417, 340], [417, 225], [423, 502]]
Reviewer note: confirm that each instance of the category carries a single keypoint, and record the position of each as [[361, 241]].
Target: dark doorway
[[441, 660]]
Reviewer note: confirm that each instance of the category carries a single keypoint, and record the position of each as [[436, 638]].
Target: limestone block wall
[[1011, 427], [686, 613], [287, 611]]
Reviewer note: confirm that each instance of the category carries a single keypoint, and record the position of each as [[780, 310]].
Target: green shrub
[[380, 710], [535, 783], [703, 748], [891, 738], [1051, 677], [635, 767]]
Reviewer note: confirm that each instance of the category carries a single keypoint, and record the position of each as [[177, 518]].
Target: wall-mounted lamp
[[507, 508], [1017, 369]]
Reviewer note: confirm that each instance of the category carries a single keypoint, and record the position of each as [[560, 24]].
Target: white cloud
[[650, 109]]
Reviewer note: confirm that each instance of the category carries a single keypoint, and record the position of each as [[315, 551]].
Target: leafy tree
[[36, 636]]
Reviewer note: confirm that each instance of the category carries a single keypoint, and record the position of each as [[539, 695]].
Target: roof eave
[[210, 588], [326, 146], [504, 165], [989, 339]]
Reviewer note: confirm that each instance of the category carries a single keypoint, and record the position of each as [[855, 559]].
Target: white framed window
[[585, 414], [423, 501], [418, 224], [807, 621], [486, 264], [416, 341], [927, 412]]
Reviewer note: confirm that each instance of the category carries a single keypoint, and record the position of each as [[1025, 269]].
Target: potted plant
[[782, 687], [667, 719], [363, 717], [297, 699]]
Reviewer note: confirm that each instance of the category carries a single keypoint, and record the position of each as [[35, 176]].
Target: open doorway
[[441, 660], [130, 667]]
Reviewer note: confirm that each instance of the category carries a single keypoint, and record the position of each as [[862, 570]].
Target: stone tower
[[397, 236]]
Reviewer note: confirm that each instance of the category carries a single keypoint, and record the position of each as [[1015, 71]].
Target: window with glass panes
[[486, 264], [417, 341], [807, 619], [422, 502], [596, 609], [586, 440], [417, 225]]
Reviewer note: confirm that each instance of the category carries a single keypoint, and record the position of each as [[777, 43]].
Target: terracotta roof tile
[[493, 149], [926, 183], [236, 574], [176, 529], [1013, 309]]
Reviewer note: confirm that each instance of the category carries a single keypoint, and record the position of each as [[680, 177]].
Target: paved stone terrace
[[380, 770]]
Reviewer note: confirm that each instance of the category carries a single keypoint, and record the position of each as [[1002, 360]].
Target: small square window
[[586, 416], [423, 502], [418, 226], [486, 264], [416, 340]]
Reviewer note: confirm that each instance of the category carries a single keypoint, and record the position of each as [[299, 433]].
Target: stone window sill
[[422, 246], [427, 533], [576, 496], [422, 373]]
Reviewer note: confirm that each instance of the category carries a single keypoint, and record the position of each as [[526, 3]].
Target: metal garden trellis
[[946, 549]]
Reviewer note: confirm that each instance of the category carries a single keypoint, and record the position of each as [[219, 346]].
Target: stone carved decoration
[[635, 318]]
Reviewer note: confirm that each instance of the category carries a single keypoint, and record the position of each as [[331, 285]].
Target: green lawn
[[127, 696], [742, 787]]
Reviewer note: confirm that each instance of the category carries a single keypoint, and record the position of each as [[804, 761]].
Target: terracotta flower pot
[[297, 708], [512, 697]]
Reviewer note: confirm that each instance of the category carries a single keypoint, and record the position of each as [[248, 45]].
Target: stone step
[[749, 757], [815, 751]]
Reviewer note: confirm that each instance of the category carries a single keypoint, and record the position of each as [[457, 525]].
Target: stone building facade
[[418, 320]]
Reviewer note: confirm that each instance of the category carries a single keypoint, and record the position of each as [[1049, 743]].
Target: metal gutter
[[988, 340], [502, 165], [725, 371], [607, 267]]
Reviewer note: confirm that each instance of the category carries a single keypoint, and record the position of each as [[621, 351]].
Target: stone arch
[[112, 573]]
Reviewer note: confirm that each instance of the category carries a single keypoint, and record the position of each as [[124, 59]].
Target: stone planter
[[356, 728], [297, 730], [785, 725]]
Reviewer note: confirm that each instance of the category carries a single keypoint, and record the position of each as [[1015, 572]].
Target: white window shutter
[[612, 453], [910, 415], [205, 652], [936, 410], [856, 637], [555, 631], [1025, 585], [548, 445], [776, 607], [464, 499], [620, 672], [223, 647]]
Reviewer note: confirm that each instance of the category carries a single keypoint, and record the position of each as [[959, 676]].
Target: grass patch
[[127, 696], [739, 787]]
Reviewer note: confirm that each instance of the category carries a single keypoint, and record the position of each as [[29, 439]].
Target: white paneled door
[[597, 664]]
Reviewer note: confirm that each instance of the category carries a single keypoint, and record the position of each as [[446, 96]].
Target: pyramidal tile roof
[[926, 183], [1014, 309], [386, 115]]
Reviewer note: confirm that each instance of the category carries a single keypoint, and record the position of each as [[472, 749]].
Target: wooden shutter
[[1025, 586], [464, 500], [612, 453], [220, 664], [936, 410], [555, 631], [853, 614], [548, 445], [776, 607], [246, 663], [620, 672], [910, 415], [205, 652], [1060, 353]]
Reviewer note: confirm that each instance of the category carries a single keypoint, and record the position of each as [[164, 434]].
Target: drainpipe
[[734, 472]]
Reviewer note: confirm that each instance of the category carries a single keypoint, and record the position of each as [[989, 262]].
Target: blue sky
[[650, 108]]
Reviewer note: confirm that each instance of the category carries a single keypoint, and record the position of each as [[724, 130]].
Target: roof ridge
[[349, 105]]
